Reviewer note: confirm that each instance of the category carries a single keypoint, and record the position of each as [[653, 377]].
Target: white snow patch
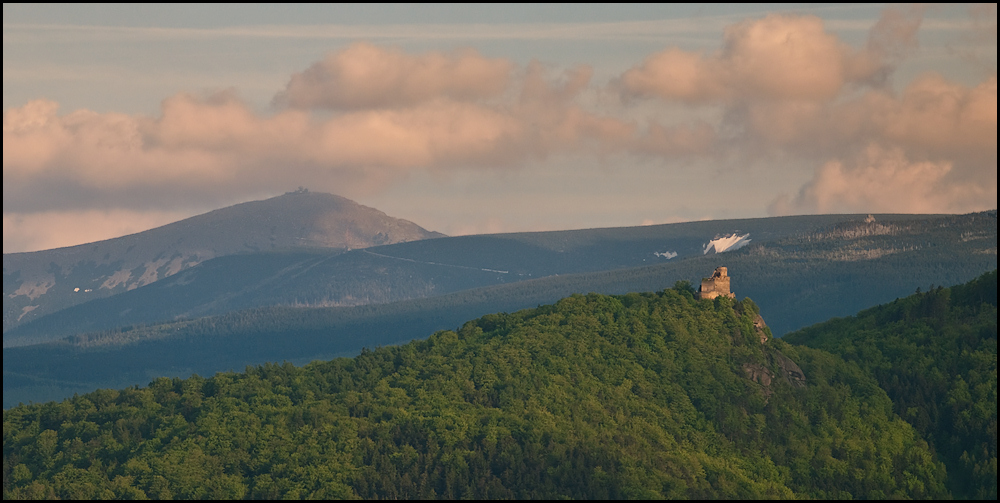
[[727, 243], [667, 255]]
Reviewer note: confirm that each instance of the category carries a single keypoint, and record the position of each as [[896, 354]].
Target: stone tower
[[716, 286]]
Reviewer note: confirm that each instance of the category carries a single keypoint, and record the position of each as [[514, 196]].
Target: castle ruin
[[716, 286]]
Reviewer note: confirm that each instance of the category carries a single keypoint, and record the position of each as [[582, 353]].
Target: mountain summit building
[[716, 286]]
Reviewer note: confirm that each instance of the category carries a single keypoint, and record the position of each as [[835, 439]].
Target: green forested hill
[[834, 270], [935, 353], [634, 396]]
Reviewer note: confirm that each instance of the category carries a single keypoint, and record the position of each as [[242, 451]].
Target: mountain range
[[39, 283], [325, 296]]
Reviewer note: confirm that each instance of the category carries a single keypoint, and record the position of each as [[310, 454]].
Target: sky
[[474, 119]]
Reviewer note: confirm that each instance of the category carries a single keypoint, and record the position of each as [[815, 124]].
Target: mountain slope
[[43, 282], [639, 396], [798, 281], [935, 353], [435, 267]]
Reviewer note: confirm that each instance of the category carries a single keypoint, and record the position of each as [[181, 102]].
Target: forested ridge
[[634, 396], [935, 354], [833, 270]]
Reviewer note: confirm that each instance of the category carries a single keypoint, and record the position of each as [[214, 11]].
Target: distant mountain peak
[[42, 282]]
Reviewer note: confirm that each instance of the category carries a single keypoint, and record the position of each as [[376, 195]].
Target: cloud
[[786, 85], [362, 118], [894, 36], [931, 117], [940, 117], [886, 181], [429, 112], [932, 149], [778, 57], [491, 225], [220, 140], [365, 76], [55, 229]]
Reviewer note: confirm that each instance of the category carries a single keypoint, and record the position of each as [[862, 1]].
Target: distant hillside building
[[716, 286]]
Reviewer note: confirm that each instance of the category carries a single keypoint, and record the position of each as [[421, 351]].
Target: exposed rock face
[[40, 283], [759, 374], [790, 371], [759, 326], [787, 370]]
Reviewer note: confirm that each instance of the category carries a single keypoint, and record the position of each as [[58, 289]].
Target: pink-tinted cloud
[[931, 117], [780, 87], [54, 229], [219, 141], [885, 181], [940, 117], [366, 76], [788, 87], [933, 148], [676, 141], [776, 58]]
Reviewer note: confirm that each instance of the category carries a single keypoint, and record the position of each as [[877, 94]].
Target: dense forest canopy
[[634, 396], [935, 354]]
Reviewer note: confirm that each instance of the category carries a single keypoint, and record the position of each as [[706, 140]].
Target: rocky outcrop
[[759, 326], [789, 370], [781, 368], [759, 374]]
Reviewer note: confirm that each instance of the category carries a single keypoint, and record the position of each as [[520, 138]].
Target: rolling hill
[[935, 354], [835, 270], [429, 268], [635, 396], [39, 283]]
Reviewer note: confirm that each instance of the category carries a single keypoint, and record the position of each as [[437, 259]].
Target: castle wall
[[707, 290], [716, 286], [722, 285]]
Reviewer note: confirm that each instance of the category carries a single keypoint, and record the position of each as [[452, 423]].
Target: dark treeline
[[634, 396]]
